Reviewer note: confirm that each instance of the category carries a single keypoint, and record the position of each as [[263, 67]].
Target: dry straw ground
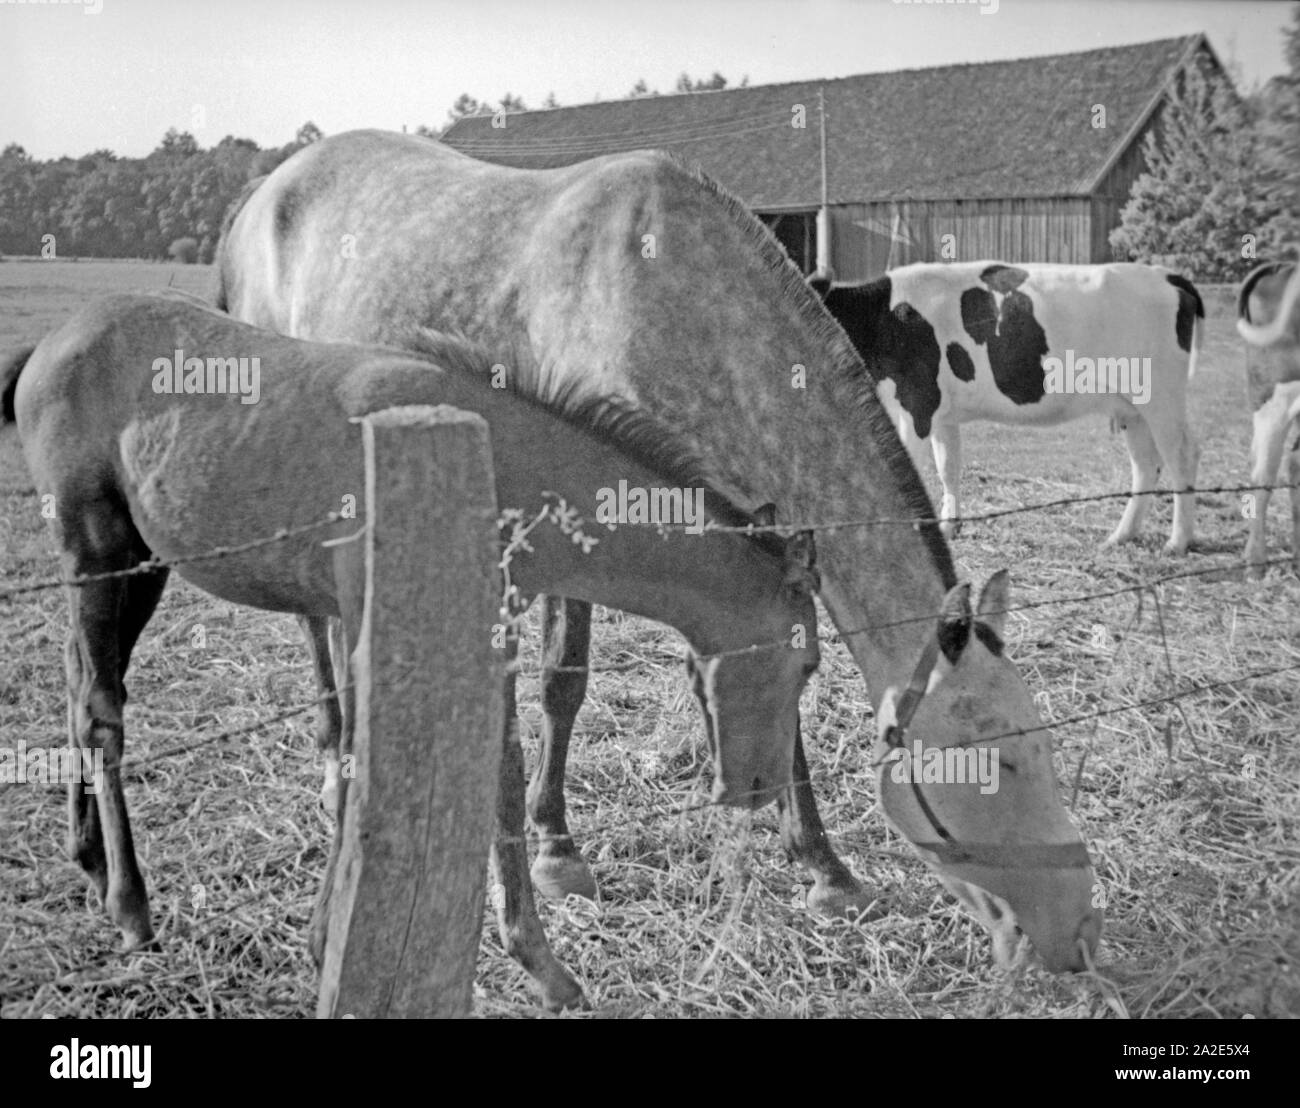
[[1190, 812]]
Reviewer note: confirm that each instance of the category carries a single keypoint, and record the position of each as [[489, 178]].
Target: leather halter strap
[[948, 849]]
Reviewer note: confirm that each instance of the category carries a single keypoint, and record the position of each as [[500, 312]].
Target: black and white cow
[[1268, 318], [1034, 344]]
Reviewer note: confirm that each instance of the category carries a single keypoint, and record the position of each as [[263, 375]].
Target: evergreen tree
[[1200, 207], [1279, 135]]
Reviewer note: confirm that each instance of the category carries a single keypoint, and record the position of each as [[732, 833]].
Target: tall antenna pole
[[821, 110], [824, 214]]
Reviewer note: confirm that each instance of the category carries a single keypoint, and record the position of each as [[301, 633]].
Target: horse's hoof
[[559, 875], [1176, 548], [137, 938], [562, 993], [855, 903]]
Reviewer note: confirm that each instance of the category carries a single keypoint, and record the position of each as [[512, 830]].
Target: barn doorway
[[797, 232]]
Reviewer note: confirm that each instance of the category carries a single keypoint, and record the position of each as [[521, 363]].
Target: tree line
[[171, 202], [104, 206]]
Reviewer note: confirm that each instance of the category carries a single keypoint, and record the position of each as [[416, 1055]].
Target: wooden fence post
[[406, 909]]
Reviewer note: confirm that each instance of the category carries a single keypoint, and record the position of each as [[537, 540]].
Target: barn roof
[[1021, 128]]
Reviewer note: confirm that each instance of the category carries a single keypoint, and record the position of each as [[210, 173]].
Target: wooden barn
[[1026, 160]]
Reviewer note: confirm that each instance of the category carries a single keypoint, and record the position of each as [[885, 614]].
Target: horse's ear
[[955, 622], [994, 600], [765, 516], [801, 561]]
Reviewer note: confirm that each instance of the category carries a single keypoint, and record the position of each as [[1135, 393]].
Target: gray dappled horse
[[136, 472], [635, 276]]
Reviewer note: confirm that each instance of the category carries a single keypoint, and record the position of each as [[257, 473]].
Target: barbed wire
[[194, 928], [935, 616], [787, 529], [154, 564]]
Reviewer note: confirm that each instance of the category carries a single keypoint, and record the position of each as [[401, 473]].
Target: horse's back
[[367, 235]]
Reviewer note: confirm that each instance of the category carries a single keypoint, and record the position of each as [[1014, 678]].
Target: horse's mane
[[853, 380], [615, 420]]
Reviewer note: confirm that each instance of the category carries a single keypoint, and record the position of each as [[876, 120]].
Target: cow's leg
[[566, 639], [945, 442], [1178, 450], [835, 891], [1268, 436], [521, 930], [329, 719], [1145, 460]]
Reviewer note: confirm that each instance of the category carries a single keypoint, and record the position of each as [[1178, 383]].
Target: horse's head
[[965, 773], [750, 694]]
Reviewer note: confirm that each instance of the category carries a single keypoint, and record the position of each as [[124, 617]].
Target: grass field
[[1190, 812]]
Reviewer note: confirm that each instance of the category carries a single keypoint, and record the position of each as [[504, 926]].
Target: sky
[[81, 75]]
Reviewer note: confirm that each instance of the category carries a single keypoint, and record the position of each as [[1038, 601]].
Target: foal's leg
[[1145, 459], [835, 890], [566, 639], [106, 618], [329, 719], [521, 930]]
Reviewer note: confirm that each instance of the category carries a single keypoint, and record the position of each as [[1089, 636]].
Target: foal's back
[[104, 426]]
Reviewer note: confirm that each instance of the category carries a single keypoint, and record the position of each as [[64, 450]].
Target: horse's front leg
[[835, 891], [521, 930], [566, 639]]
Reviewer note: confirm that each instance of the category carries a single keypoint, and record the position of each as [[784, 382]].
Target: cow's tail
[[10, 366], [220, 295], [1271, 333], [1190, 321]]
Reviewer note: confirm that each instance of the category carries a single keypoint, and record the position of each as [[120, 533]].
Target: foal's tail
[[11, 365]]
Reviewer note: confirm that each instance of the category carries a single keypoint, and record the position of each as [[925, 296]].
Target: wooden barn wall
[[1112, 193], [867, 239]]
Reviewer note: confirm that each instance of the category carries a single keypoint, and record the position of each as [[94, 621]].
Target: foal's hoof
[[853, 904], [559, 875]]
